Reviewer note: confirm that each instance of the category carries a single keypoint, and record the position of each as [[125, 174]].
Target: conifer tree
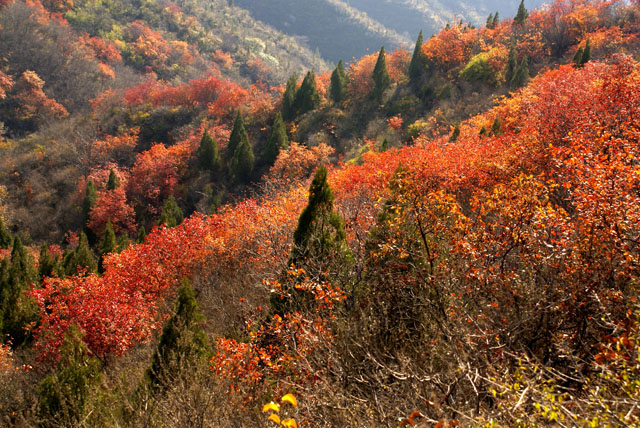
[[512, 65], [242, 163], [586, 54], [182, 343], [47, 265], [521, 75], [22, 272], [171, 215], [455, 134], [496, 127], [577, 58], [108, 244], [82, 258], [208, 154], [381, 78], [489, 23], [418, 61], [238, 135], [288, 98], [142, 233], [496, 19], [64, 393], [90, 197], [123, 243], [521, 15], [5, 237], [307, 97], [338, 90], [113, 182], [483, 131], [385, 145], [277, 141]]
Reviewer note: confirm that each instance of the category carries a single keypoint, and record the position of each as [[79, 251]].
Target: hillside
[[440, 237]]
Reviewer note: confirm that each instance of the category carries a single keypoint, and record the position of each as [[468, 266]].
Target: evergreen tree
[[586, 54], [277, 141], [183, 343], [242, 163], [307, 97], [108, 244], [142, 233], [381, 78], [521, 15], [288, 98], [512, 65], [521, 75], [82, 258], [489, 23], [496, 19], [47, 265], [238, 135], [90, 197], [171, 215], [338, 90], [64, 393], [418, 62], [208, 154], [113, 182], [123, 243], [22, 272], [483, 132], [455, 134], [5, 237], [385, 145], [577, 58], [496, 127]]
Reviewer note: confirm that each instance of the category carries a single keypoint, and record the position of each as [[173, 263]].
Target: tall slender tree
[[521, 15], [277, 141], [5, 237], [338, 91], [108, 244], [238, 135], [307, 97], [288, 98], [113, 182], [171, 215], [381, 79], [418, 61], [208, 154], [521, 75], [512, 64], [242, 162]]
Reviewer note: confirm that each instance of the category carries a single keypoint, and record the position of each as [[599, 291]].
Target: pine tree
[[338, 90], [489, 23], [113, 182], [242, 163], [142, 233], [586, 54], [577, 58], [123, 243], [381, 78], [208, 154], [385, 145], [521, 15], [277, 141], [238, 135], [455, 134], [183, 342], [82, 258], [512, 65], [64, 393], [496, 127], [288, 98], [418, 62], [47, 265], [496, 19], [90, 197], [521, 75], [22, 272], [307, 97], [5, 237], [171, 215], [108, 244]]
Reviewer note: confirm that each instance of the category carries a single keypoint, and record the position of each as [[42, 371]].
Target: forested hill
[[348, 29], [440, 236]]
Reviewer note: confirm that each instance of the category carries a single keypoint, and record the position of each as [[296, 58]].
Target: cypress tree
[[338, 90], [577, 58], [418, 61], [288, 98], [5, 237], [586, 54], [455, 134], [47, 265], [238, 135], [496, 19], [108, 244], [521, 15], [208, 154], [277, 141], [512, 65], [90, 197], [171, 215], [521, 75], [381, 78], [114, 181], [307, 97], [82, 258], [22, 272], [242, 163], [182, 343], [489, 23], [64, 393]]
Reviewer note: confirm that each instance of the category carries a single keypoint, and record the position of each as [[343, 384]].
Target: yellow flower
[[271, 406], [289, 423], [289, 398]]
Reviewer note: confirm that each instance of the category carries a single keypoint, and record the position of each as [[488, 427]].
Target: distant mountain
[[344, 29]]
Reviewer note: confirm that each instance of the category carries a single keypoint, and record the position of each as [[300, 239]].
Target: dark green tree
[[208, 154], [512, 65], [307, 97], [63, 395], [338, 90], [47, 265], [90, 197], [586, 54], [385, 145], [238, 136], [123, 243], [418, 63], [483, 132], [381, 79], [521, 76], [171, 215], [288, 98], [142, 233], [108, 244], [277, 141], [496, 127], [242, 163], [5, 237], [80, 259], [455, 134], [489, 23], [113, 182], [496, 19], [183, 343], [521, 15]]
